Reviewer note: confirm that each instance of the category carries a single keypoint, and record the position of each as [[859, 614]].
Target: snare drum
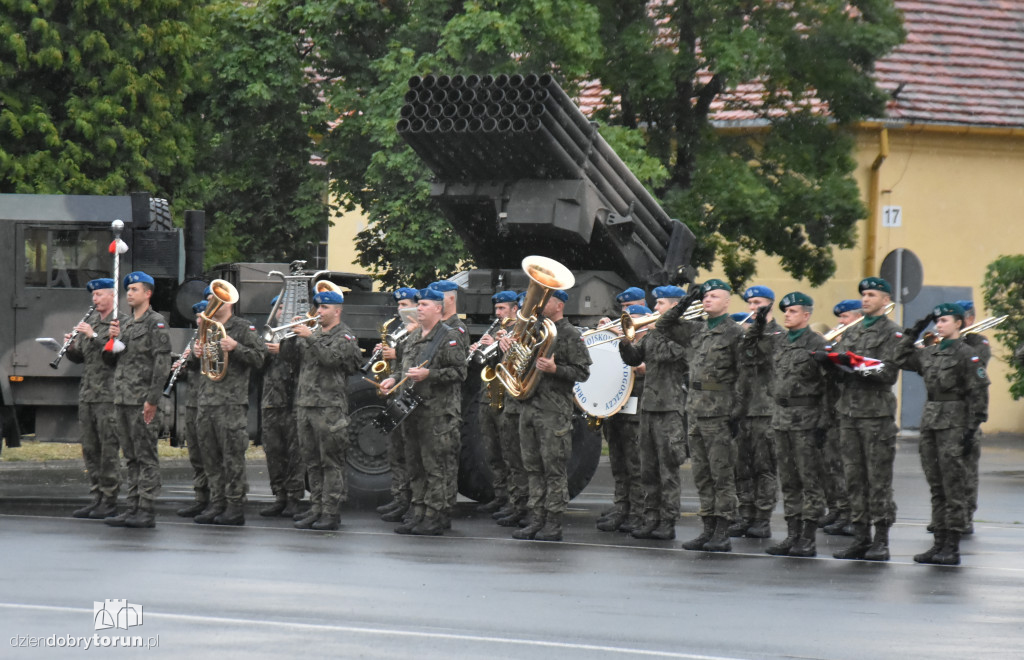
[[608, 389], [398, 409]]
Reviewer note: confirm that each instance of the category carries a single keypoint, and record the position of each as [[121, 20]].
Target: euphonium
[[214, 363], [533, 337]]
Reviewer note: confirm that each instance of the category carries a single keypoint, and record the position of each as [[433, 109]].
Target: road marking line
[[319, 627]]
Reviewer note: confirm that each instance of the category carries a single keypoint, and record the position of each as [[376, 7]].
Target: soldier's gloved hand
[[919, 327], [761, 317], [822, 358], [693, 296], [968, 440]]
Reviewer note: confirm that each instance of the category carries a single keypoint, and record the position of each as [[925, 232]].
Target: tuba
[[532, 337], [214, 363]]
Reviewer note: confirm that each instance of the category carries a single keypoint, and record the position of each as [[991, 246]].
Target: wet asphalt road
[[268, 590]]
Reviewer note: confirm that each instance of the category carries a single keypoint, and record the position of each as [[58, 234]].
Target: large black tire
[[368, 474], [160, 214]]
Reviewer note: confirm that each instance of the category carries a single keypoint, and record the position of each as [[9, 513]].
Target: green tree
[[1004, 296], [785, 187], [92, 95]]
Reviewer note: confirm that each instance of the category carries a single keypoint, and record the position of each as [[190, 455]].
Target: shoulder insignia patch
[[349, 337], [975, 358], [981, 372], [899, 334], [453, 343], [161, 326], [252, 327], [984, 341], [461, 329]]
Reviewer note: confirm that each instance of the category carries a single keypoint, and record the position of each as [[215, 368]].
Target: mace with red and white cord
[[117, 248]]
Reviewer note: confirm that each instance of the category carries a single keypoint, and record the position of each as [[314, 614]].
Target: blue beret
[[444, 286], [949, 309], [796, 298], [967, 305], [207, 292], [199, 307], [669, 291], [430, 294], [504, 297], [328, 298], [101, 283], [561, 295], [638, 309], [632, 294], [521, 299], [273, 301], [875, 283], [846, 306], [714, 284], [758, 292], [404, 293], [137, 277], [742, 317]]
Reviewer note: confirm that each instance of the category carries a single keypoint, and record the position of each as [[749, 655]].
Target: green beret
[[949, 309], [711, 285], [876, 283], [796, 298]]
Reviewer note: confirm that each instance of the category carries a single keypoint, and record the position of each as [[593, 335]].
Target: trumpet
[[630, 326], [837, 332], [67, 343], [269, 333]]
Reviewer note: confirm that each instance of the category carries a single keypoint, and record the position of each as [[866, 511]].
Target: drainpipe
[[874, 196]]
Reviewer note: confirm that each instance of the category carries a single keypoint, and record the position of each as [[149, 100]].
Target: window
[[65, 258]]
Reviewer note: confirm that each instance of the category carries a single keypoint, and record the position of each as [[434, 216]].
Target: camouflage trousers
[[945, 467], [546, 438], [518, 484], [451, 465], [428, 449], [400, 489], [138, 444], [868, 445], [622, 433], [971, 461], [833, 480], [223, 439], [713, 451], [757, 469], [490, 433], [662, 451], [99, 448], [200, 484], [323, 438], [285, 466], [800, 473]]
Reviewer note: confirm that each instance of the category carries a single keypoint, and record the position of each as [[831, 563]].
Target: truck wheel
[[368, 474], [160, 214]]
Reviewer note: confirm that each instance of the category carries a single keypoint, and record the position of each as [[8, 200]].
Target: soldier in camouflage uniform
[[96, 402], [516, 511], [190, 372], [545, 425], [798, 422], [223, 413], [285, 466], [957, 405], [401, 490], [327, 356], [451, 319], [433, 366], [983, 350], [662, 440], [141, 370], [756, 465], [715, 407], [867, 424]]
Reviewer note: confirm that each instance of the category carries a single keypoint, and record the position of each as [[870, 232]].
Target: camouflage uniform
[[833, 479], [223, 416], [96, 408], [511, 449], [545, 423], [451, 464], [714, 399], [662, 440], [622, 433], [867, 421], [326, 360], [957, 401], [757, 470], [192, 375], [284, 458], [432, 429], [139, 378], [490, 432], [981, 347]]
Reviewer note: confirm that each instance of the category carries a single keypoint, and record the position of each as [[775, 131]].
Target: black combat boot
[[828, 518], [530, 531], [313, 515], [782, 548], [396, 514], [274, 510], [194, 509], [630, 523], [879, 550], [494, 505], [552, 529], [761, 528], [740, 527], [861, 543], [296, 506], [208, 515], [928, 556], [805, 545], [387, 508], [106, 508], [950, 553], [646, 530], [432, 524], [513, 519], [88, 508], [618, 507], [504, 511], [143, 517], [416, 514], [838, 526], [705, 536], [611, 522], [120, 519], [233, 515], [327, 522], [719, 541], [665, 531]]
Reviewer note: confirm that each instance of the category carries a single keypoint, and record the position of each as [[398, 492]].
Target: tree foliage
[[1004, 295]]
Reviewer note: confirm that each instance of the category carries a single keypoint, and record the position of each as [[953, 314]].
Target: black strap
[[708, 386], [435, 343], [945, 396]]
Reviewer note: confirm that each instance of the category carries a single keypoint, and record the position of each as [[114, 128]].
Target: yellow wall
[[341, 241]]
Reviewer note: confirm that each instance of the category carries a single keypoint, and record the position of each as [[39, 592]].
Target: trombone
[[630, 326], [693, 312], [930, 338], [269, 333], [838, 331]]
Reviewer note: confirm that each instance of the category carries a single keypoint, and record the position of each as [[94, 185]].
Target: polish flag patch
[[160, 326], [975, 358], [899, 334], [252, 327], [349, 337], [461, 329], [453, 343]]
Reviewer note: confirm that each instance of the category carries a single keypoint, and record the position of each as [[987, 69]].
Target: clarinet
[[469, 358], [67, 344], [181, 364]]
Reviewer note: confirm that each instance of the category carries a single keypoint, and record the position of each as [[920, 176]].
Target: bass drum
[[610, 384]]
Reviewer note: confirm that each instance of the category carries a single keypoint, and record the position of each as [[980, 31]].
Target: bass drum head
[[611, 380]]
